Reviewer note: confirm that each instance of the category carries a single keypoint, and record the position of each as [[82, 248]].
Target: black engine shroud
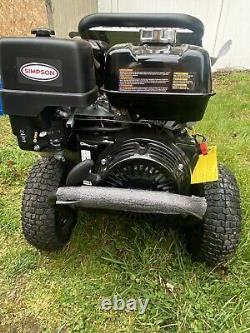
[[142, 163]]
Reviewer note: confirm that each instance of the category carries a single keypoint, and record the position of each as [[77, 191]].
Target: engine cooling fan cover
[[141, 163]]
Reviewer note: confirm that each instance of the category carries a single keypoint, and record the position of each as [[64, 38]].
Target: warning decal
[[144, 80], [183, 80]]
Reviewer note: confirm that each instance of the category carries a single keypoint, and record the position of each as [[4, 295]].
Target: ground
[[61, 292]]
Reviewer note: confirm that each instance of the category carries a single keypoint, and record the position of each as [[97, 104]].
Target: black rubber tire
[[43, 226], [216, 239]]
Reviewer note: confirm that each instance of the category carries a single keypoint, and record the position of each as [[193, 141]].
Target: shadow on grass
[[129, 241]]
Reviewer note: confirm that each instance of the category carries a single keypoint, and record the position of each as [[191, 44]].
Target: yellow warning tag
[[206, 169]]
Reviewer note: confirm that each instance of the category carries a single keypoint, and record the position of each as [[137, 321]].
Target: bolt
[[42, 134], [103, 161], [180, 167], [36, 148]]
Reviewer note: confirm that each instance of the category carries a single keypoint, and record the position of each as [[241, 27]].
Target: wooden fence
[[18, 17], [64, 15]]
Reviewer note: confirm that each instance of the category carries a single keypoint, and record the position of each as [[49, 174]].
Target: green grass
[[61, 292]]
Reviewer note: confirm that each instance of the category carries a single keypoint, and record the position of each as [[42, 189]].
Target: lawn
[[62, 292]]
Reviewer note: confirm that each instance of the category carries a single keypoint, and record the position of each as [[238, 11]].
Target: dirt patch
[[27, 324], [13, 315]]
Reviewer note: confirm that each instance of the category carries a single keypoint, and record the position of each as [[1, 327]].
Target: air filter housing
[[42, 71]]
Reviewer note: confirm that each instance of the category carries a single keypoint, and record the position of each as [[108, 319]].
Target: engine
[[112, 104]]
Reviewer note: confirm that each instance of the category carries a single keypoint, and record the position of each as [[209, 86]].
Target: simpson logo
[[39, 72]]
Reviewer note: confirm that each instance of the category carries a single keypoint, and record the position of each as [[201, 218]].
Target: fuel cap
[[42, 32]]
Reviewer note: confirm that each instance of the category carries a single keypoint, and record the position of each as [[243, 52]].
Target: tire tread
[[38, 217]]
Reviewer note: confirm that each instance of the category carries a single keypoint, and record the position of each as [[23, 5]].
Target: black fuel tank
[[41, 71], [160, 82]]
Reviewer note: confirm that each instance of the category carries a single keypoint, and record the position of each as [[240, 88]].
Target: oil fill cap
[[42, 32]]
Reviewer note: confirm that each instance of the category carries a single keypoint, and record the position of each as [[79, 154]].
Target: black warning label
[[147, 80]]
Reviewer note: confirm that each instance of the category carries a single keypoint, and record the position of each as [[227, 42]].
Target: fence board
[[223, 20], [67, 14], [17, 18]]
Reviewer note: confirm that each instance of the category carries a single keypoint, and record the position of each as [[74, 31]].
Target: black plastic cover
[[159, 81], [40, 72]]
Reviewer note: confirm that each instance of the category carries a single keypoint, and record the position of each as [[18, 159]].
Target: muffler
[[132, 200]]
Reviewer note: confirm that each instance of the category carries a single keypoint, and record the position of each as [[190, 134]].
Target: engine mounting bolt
[[103, 161]]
